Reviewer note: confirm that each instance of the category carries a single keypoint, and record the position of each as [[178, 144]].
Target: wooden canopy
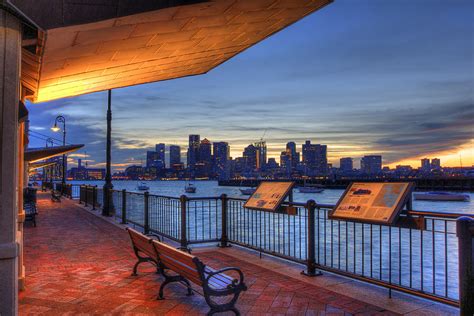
[[37, 154], [88, 46]]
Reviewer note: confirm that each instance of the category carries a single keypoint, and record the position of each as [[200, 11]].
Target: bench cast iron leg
[[170, 279]]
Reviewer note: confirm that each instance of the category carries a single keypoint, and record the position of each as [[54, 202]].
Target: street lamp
[[47, 170], [108, 206], [56, 128]]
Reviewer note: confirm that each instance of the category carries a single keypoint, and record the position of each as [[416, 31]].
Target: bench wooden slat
[[171, 252], [142, 243], [182, 270]]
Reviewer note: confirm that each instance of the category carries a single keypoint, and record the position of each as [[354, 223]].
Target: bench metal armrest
[[154, 235], [235, 282]]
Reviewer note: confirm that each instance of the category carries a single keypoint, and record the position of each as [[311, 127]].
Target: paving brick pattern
[[77, 263]]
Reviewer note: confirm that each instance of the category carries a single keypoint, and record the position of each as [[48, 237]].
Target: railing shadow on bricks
[[423, 262]]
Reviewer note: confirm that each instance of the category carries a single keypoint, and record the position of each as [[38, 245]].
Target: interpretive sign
[[269, 196], [379, 202]]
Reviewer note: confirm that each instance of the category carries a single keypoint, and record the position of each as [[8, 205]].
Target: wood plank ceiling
[[152, 46]]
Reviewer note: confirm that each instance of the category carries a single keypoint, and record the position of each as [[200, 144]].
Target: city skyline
[[367, 63]]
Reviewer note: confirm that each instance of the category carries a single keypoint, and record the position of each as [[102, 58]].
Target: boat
[[190, 188], [247, 191], [143, 187], [310, 190], [441, 196]]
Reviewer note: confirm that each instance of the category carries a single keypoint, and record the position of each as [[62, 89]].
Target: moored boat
[[441, 196], [190, 188], [310, 190], [247, 191], [142, 186]]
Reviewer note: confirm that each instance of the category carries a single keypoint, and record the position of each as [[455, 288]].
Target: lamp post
[[47, 170], [108, 186], [56, 128]]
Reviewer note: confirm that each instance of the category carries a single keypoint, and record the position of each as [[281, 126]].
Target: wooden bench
[[144, 250], [30, 212], [55, 196], [188, 268]]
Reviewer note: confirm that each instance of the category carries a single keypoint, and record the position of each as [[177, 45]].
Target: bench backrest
[[178, 261], [142, 243]]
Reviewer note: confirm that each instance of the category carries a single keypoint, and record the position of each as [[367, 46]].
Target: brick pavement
[[77, 263]]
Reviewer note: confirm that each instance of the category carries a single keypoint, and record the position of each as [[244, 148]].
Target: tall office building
[[221, 154], [249, 156], [294, 156], [205, 154], [261, 148], [285, 161], [425, 165], [371, 164], [346, 164], [193, 150], [153, 160], [161, 149], [435, 164], [315, 158], [175, 155]]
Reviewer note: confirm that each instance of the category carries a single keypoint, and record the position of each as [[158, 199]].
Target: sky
[[388, 77]]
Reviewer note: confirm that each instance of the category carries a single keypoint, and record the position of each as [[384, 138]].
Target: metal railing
[[420, 259]]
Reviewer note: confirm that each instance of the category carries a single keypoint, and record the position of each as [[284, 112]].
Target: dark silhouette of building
[[435, 164], [221, 154], [161, 150], [175, 155], [315, 159], [153, 160], [250, 158], [425, 165], [346, 164], [371, 164], [193, 151], [261, 148]]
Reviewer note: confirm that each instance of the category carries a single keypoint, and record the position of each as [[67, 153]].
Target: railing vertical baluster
[[86, 191], [124, 206], [146, 213], [184, 241], [94, 195], [311, 255], [224, 237], [465, 234]]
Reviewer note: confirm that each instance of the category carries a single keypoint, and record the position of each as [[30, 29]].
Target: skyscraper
[[221, 152], [153, 160], [346, 164], [294, 156], [315, 158], [425, 165], [250, 158], [193, 151], [175, 155], [371, 164], [161, 149], [435, 164], [261, 148], [205, 151]]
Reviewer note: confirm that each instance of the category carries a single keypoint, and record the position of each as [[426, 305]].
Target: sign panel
[[269, 196], [379, 202]]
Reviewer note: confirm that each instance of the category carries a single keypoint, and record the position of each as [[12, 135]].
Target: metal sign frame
[[405, 199], [279, 200]]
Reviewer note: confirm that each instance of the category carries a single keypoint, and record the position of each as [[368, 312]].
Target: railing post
[[81, 194], [184, 239], [124, 206], [465, 234], [146, 225], [86, 195], [94, 193], [224, 238], [311, 238]]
